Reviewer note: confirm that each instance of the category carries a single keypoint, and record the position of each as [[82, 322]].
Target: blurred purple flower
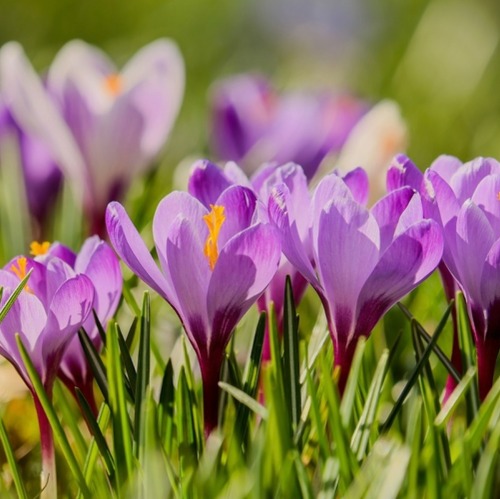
[[102, 126], [363, 261], [252, 124], [215, 264], [42, 178], [208, 181]]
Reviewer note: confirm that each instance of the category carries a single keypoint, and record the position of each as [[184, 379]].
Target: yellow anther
[[498, 195], [37, 249], [113, 84], [214, 221], [20, 269]]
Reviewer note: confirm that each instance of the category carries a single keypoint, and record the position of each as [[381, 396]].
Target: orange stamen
[[20, 269], [37, 249], [214, 221], [113, 84]]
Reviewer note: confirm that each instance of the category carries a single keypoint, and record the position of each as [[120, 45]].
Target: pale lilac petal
[[176, 204], [446, 166], [466, 178], [403, 172], [487, 197], [207, 182], [190, 274], [406, 262], [58, 250], [239, 208], [236, 175], [131, 248], [291, 244], [388, 210], [70, 307], [158, 68], [490, 277], [474, 239], [347, 249], [245, 267], [446, 201]]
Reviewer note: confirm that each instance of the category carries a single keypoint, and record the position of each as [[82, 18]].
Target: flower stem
[[487, 353], [48, 479], [210, 372], [343, 355]]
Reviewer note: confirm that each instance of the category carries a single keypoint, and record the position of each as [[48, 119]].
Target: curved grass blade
[[96, 363], [13, 297], [245, 399], [57, 428]]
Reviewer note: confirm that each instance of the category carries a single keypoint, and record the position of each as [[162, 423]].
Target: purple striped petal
[[207, 182], [403, 172], [487, 197], [446, 166], [490, 277], [357, 181]]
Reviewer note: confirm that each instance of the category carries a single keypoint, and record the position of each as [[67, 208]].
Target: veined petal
[[347, 249], [174, 205], [403, 172], [58, 250], [291, 243], [190, 274], [407, 261], [487, 197], [131, 248], [357, 181], [490, 277], [446, 166], [466, 178], [253, 257], [474, 239]]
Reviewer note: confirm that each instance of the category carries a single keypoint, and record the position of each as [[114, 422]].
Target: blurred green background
[[439, 59]]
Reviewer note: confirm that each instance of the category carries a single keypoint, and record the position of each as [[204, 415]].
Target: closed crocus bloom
[[215, 263], [466, 202], [103, 125], [42, 177], [208, 181], [97, 261], [363, 261], [47, 314], [252, 123]]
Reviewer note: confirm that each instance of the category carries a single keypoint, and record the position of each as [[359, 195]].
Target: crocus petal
[[131, 248], [387, 212], [407, 261], [487, 197], [490, 277], [207, 182], [253, 256], [291, 243], [190, 275], [357, 181], [171, 207], [239, 208], [58, 250], [446, 166], [159, 69], [70, 307], [403, 172], [347, 249], [474, 239]]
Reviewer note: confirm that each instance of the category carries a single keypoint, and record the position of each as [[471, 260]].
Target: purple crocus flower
[[208, 181], [464, 199], [252, 123], [97, 261], [42, 177], [47, 314], [363, 261], [102, 125], [215, 264]]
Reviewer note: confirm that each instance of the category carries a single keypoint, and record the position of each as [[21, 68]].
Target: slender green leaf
[[13, 297], [95, 362], [245, 399]]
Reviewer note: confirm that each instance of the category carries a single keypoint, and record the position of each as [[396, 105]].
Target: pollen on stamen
[[214, 221], [113, 84], [498, 196], [37, 249], [20, 270]]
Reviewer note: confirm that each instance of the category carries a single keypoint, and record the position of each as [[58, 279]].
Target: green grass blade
[[291, 362], [487, 469], [11, 459], [166, 405], [57, 428], [245, 399], [143, 369], [128, 364], [95, 362], [13, 297]]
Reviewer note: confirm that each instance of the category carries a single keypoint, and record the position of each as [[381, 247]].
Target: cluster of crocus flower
[[61, 291], [215, 262], [100, 126], [465, 200]]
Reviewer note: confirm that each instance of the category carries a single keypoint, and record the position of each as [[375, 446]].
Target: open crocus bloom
[[252, 123], [47, 314], [97, 261], [363, 261], [215, 263], [102, 125], [208, 181]]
